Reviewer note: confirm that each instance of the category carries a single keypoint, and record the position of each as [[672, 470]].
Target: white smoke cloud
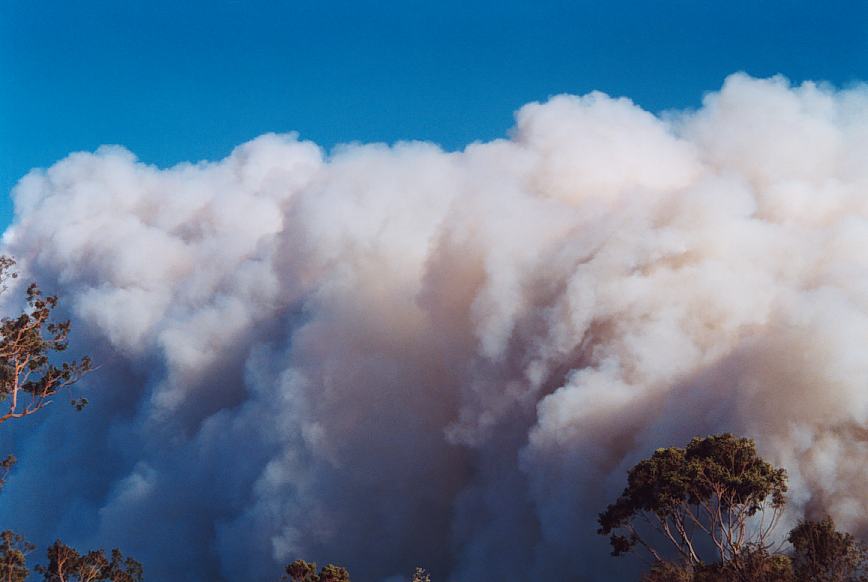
[[390, 356]]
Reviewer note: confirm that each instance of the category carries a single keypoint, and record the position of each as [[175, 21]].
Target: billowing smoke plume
[[390, 356]]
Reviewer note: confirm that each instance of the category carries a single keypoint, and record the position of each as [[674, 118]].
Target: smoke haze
[[396, 356]]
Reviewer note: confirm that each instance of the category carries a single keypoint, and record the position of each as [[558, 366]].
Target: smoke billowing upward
[[391, 356]]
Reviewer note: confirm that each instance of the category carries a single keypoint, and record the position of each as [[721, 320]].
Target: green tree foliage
[[754, 566], [30, 377], [706, 513], [65, 564], [823, 554], [13, 557], [301, 571], [716, 488], [6, 467], [332, 573]]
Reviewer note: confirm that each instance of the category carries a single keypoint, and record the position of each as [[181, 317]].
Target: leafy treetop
[[29, 377], [716, 487], [301, 571], [823, 554]]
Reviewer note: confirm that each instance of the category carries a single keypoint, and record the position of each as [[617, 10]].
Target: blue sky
[[189, 80]]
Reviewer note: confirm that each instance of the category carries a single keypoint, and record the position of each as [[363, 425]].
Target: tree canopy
[[301, 571], [32, 373], [29, 373], [708, 513], [823, 554], [716, 487]]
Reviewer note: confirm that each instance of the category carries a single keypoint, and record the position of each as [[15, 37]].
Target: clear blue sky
[[189, 79]]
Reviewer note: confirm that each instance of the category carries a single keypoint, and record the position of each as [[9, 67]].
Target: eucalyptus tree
[[713, 501], [33, 373]]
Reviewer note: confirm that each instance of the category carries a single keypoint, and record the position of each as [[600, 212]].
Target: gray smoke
[[391, 356]]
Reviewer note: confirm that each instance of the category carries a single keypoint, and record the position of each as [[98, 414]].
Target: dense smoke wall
[[391, 356]]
